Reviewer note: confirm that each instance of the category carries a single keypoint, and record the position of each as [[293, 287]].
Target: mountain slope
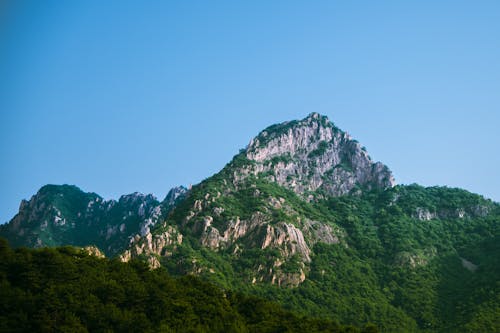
[[276, 216], [375, 257], [304, 217]]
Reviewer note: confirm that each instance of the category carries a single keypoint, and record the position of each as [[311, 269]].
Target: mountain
[[311, 158], [304, 217], [62, 215]]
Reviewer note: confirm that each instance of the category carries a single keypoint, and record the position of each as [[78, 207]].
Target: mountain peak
[[313, 154], [175, 195], [314, 116], [314, 121]]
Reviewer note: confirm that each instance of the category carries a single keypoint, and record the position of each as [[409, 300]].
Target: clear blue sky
[[123, 96]]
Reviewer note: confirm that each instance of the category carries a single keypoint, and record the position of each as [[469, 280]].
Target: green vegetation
[[390, 268], [344, 165], [66, 290], [285, 158], [431, 286], [275, 131], [322, 147]]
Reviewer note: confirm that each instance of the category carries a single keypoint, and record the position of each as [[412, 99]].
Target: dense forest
[[67, 290]]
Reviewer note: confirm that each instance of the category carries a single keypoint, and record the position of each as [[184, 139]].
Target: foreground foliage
[[66, 290]]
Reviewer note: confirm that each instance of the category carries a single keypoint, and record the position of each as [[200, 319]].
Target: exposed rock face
[[468, 265], [147, 210], [230, 232], [418, 258], [321, 232], [258, 232], [313, 154], [288, 239], [152, 246], [480, 210], [94, 251], [174, 196], [424, 214]]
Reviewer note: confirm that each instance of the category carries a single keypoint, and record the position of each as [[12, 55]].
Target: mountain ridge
[[63, 214], [304, 216]]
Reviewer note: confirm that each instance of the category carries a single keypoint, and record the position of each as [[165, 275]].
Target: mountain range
[[302, 216]]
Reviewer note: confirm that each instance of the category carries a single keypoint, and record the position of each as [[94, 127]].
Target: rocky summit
[[302, 216], [314, 155]]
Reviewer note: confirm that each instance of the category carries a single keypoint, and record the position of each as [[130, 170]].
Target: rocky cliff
[[314, 155]]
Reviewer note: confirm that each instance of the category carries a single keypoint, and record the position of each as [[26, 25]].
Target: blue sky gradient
[[124, 96]]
